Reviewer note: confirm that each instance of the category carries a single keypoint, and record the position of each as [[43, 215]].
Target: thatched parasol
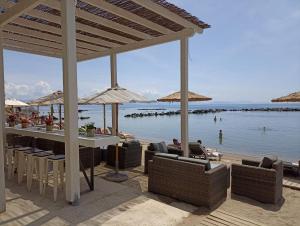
[[116, 95], [50, 99], [293, 97], [53, 98], [15, 103], [175, 97]]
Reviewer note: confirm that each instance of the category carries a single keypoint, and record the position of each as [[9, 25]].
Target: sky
[[251, 53]]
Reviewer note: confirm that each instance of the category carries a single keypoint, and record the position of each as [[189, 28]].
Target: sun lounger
[[122, 135], [290, 168], [199, 151]]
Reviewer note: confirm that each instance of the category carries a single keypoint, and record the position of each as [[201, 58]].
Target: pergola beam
[[128, 15], [114, 82], [167, 14], [184, 95], [30, 46], [86, 28], [30, 51], [54, 4], [17, 10], [70, 101], [40, 43], [55, 30], [2, 133], [49, 37], [142, 44]]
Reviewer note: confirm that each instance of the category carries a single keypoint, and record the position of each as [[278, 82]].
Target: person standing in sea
[[220, 136]]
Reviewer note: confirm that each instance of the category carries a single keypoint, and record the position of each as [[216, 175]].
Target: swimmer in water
[[220, 134]]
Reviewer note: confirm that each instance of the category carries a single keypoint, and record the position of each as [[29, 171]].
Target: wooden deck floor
[[293, 183], [223, 218], [129, 203]]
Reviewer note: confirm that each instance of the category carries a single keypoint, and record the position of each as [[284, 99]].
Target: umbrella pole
[[51, 110], [60, 116], [117, 121], [117, 132], [116, 176], [117, 159], [104, 118]]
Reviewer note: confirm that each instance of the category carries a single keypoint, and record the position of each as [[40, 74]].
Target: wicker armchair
[[187, 181], [261, 184], [151, 151], [130, 155]]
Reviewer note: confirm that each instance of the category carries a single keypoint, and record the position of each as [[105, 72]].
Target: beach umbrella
[[15, 103], [293, 97], [84, 101], [175, 97], [50, 99], [116, 95]]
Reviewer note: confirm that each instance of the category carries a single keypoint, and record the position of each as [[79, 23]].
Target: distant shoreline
[[208, 111]]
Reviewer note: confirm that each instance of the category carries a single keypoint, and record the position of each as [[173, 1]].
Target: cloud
[[27, 91]]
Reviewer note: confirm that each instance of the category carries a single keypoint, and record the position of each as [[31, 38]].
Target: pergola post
[[114, 82], [2, 133], [70, 100], [184, 95]]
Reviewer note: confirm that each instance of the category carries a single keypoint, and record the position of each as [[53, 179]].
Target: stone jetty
[[208, 111]]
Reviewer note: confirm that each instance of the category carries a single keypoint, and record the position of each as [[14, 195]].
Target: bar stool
[[32, 165], [37, 162], [9, 158], [11, 144], [58, 165], [26, 145]]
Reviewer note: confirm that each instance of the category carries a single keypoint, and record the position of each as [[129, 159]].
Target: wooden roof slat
[[54, 30], [142, 44], [31, 40], [31, 46], [167, 14], [34, 49], [55, 4], [102, 26], [128, 15], [31, 51], [57, 19], [17, 10], [33, 33], [48, 37]]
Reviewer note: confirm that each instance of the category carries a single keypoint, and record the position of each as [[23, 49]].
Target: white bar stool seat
[[58, 163]]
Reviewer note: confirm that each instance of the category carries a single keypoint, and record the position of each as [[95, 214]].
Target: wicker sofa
[[161, 147], [189, 180], [262, 184], [130, 155]]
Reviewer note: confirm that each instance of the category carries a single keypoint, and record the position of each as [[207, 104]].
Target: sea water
[[255, 133]]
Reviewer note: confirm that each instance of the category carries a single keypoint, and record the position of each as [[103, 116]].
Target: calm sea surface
[[243, 132]]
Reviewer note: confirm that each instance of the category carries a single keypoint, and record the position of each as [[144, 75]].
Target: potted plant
[[24, 122], [11, 120], [90, 129], [49, 123]]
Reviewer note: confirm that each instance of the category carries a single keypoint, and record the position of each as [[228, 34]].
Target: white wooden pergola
[[86, 29]]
